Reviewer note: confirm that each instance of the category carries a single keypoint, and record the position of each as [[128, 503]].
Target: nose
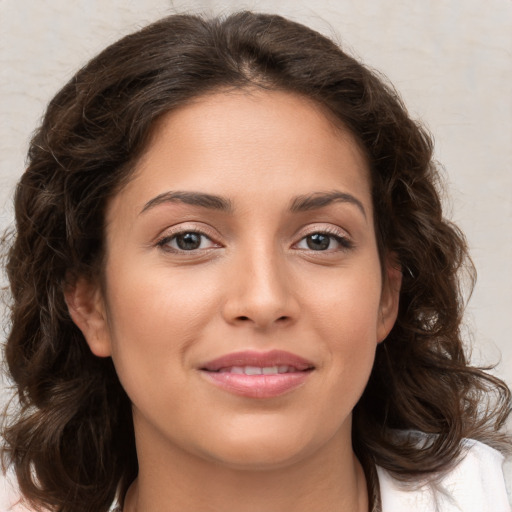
[[261, 292]]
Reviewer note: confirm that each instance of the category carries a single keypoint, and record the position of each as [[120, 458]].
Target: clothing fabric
[[476, 484]]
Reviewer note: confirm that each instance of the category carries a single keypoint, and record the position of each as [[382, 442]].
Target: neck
[[330, 480]]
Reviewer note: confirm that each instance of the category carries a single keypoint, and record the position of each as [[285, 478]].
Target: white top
[[476, 484]]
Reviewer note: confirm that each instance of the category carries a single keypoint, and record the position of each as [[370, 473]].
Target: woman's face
[[243, 299]]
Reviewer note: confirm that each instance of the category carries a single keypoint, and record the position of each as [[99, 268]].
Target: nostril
[[280, 319]]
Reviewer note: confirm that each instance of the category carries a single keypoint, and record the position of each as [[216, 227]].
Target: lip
[[254, 358], [258, 386]]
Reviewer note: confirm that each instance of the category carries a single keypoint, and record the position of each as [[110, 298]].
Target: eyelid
[[187, 227], [327, 228], [342, 236]]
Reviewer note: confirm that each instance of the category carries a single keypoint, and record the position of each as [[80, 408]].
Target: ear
[[390, 297], [87, 310]]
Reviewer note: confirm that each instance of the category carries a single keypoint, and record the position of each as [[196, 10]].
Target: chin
[[247, 458], [264, 449]]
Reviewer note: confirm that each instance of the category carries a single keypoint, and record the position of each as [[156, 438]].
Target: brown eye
[[318, 241], [188, 241], [324, 241]]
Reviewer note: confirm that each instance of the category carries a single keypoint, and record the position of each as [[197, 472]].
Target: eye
[[324, 242], [187, 241]]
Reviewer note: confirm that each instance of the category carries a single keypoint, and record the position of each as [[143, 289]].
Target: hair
[[71, 441]]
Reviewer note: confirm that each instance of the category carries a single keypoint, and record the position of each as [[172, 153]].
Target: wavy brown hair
[[71, 440]]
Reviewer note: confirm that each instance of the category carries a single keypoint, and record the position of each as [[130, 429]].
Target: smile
[[256, 370], [258, 375]]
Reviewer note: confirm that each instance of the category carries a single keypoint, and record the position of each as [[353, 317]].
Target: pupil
[[318, 242], [188, 241]]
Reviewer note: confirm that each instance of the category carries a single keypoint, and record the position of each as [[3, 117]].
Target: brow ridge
[[201, 199], [306, 202], [317, 200]]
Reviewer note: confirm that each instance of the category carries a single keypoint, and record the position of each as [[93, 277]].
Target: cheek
[[346, 318], [153, 317], [348, 304], [158, 299]]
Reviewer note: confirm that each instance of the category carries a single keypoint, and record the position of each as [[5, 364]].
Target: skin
[[254, 283]]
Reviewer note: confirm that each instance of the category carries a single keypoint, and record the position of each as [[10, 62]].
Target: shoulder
[[476, 484]]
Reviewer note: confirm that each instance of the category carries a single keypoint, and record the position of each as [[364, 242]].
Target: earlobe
[[390, 299], [86, 308]]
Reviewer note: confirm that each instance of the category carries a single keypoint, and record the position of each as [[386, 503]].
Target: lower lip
[[258, 386]]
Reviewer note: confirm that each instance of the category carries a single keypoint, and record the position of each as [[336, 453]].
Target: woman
[[233, 288]]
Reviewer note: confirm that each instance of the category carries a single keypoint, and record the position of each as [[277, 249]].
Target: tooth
[[282, 369], [269, 370], [252, 370], [237, 369]]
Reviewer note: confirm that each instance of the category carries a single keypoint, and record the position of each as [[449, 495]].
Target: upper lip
[[258, 359]]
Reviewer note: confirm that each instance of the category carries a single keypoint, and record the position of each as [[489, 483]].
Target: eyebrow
[[313, 201], [318, 200], [201, 199]]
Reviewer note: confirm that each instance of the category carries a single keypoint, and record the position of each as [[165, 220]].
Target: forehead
[[260, 141], [254, 114]]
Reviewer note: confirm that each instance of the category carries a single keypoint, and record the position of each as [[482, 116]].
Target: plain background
[[451, 60]]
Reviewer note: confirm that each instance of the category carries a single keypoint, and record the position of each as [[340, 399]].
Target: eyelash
[[164, 242], [344, 242]]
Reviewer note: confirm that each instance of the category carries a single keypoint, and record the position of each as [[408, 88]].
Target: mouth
[[257, 370], [258, 374]]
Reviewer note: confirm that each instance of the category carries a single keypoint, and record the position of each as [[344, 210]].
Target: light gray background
[[450, 59]]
